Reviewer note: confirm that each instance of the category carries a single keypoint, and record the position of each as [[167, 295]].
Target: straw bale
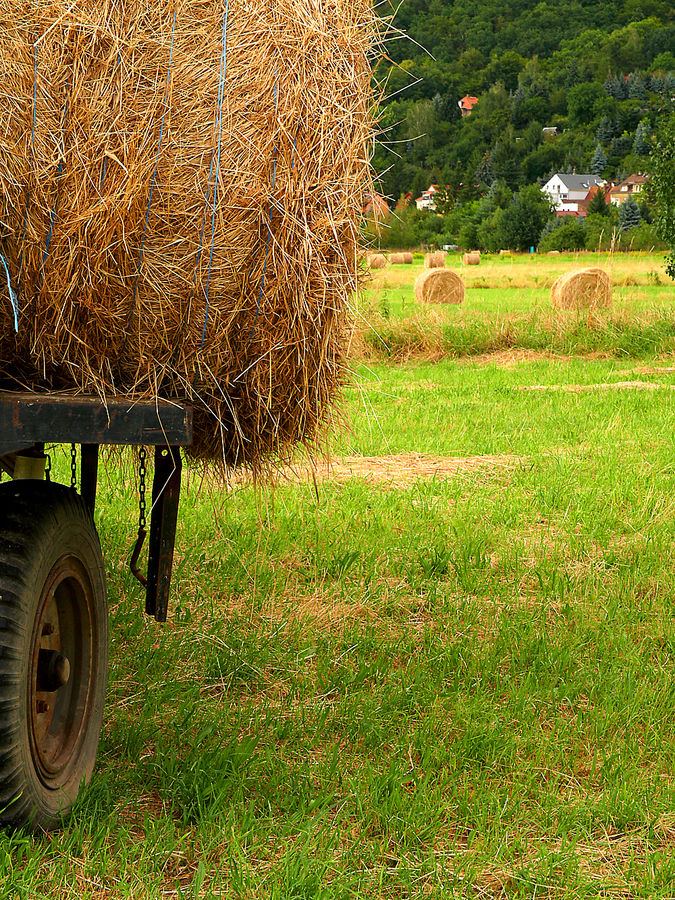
[[377, 260], [434, 260], [401, 259], [506, 252], [583, 289], [181, 187], [553, 253], [439, 286], [472, 258]]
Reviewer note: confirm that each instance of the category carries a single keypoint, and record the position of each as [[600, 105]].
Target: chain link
[[48, 467], [142, 471], [73, 467]]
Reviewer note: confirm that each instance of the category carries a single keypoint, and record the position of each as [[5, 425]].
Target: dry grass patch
[[396, 470], [602, 386]]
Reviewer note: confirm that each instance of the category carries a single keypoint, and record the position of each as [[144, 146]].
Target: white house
[[428, 200], [568, 191]]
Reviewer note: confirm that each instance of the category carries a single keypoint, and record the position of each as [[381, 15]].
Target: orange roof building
[[466, 104]]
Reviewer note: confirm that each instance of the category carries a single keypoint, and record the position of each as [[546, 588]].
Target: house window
[[563, 196]]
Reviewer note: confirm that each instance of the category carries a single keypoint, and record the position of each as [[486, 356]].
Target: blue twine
[[154, 173], [12, 296], [219, 127], [269, 227]]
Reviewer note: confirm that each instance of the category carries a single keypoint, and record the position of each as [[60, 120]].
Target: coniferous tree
[[598, 203], [629, 215], [614, 87], [640, 143], [485, 172], [635, 87], [606, 129], [599, 161]]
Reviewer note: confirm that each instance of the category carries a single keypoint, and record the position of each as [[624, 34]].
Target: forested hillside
[[602, 73]]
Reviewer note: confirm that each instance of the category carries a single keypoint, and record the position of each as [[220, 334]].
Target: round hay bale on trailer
[[439, 286], [401, 259], [181, 191], [472, 258], [434, 260], [584, 289], [377, 261]]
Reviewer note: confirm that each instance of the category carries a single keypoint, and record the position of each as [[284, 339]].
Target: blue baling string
[[154, 172], [219, 126], [12, 296], [269, 227]]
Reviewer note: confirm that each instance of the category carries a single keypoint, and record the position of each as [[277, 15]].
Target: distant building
[[466, 104], [632, 186], [569, 192], [550, 131], [428, 198]]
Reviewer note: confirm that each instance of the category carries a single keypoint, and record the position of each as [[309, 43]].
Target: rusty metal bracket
[[135, 556], [163, 520]]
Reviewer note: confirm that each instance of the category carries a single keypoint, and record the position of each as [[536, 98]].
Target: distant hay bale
[[439, 286], [434, 260], [399, 259], [472, 258], [377, 261], [181, 193], [553, 253], [584, 289], [506, 252]]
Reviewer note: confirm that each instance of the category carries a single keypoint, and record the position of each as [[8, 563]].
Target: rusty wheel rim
[[61, 674]]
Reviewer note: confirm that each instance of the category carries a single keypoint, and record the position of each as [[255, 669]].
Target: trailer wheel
[[53, 651]]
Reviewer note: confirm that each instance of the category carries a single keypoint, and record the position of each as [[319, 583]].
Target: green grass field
[[448, 676]]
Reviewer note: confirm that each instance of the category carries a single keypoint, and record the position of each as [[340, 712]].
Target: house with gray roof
[[567, 192]]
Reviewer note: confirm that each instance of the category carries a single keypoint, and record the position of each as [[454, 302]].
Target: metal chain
[[142, 471], [48, 467], [73, 467]]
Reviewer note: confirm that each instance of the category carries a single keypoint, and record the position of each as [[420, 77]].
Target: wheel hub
[[60, 676]]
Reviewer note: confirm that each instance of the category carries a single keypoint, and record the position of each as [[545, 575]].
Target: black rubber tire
[[47, 534]]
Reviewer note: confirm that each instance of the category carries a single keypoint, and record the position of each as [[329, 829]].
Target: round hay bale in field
[[434, 260], [181, 186], [377, 261], [439, 286], [583, 289], [553, 253], [506, 252], [472, 258], [399, 259]]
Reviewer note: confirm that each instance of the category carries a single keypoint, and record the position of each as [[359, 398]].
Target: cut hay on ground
[[583, 289], [399, 469], [472, 258], [439, 286], [377, 261], [399, 259], [434, 260], [181, 188]]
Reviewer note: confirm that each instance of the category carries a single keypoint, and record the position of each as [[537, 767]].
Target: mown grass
[[457, 688]]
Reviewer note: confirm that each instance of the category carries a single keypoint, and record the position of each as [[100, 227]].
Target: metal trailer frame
[[28, 421]]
